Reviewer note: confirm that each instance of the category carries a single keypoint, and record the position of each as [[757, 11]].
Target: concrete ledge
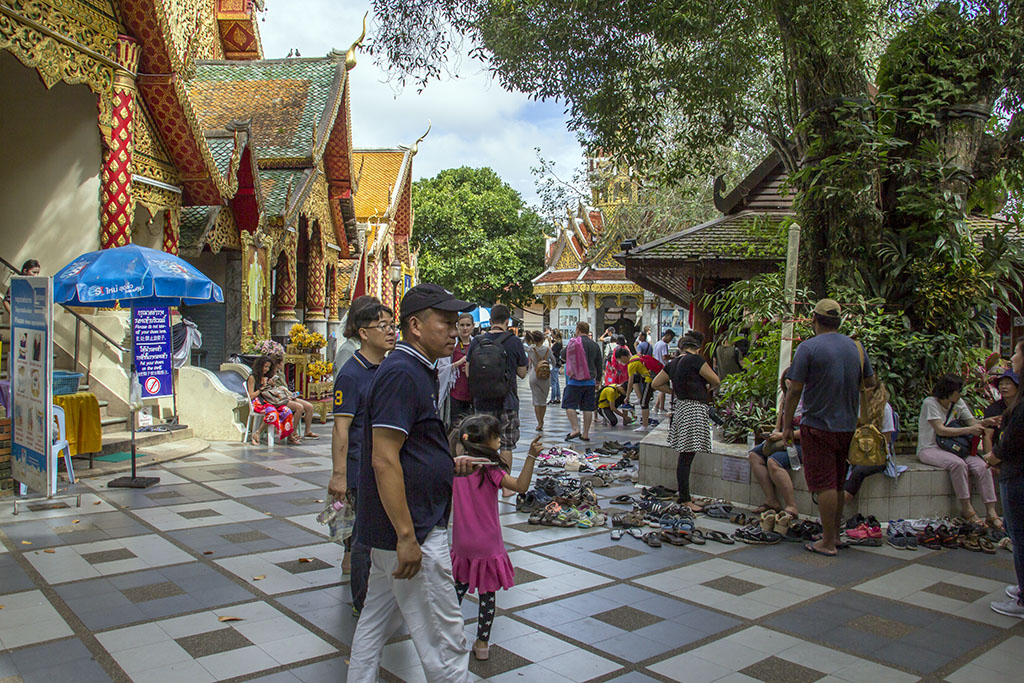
[[919, 492]]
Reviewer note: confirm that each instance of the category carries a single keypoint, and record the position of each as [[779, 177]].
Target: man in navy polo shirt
[[372, 325], [405, 490]]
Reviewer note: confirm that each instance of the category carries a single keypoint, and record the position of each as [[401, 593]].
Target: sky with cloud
[[475, 122]]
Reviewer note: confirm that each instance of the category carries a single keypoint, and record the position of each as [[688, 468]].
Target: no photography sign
[[153, 351]]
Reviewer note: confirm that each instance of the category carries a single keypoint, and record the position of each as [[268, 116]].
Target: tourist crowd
[[425, 429]]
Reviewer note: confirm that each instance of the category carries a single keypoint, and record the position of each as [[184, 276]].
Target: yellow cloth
[[607, 397], [637, 367], [82, 422]]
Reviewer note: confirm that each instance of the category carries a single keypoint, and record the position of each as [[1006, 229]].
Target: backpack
[[489, 378], [576, 366], [542, 368], [653, 365]]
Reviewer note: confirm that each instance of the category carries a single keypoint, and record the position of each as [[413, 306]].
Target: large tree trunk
[[823, 46]]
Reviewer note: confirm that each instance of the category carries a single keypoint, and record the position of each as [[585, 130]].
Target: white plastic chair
[[250, 427], [61, 445]]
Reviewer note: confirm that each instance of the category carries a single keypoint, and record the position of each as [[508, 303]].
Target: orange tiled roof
[[377, 173]]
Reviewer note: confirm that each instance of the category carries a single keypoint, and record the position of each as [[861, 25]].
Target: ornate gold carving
[[350, 56], [567, 288], [59, 62], [149, 157], [316, 208], [224, 233], [155, 198]]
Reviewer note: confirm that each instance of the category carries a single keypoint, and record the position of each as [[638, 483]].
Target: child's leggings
[[486, 618]]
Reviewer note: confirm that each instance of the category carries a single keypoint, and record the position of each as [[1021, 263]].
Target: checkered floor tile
[[136, 582]]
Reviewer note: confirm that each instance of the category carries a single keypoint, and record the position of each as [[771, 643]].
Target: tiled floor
[[221, 572]]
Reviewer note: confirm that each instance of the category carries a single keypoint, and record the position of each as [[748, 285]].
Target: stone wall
[[919, 492]]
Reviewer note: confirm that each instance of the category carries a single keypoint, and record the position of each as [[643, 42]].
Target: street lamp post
[[395, 275]]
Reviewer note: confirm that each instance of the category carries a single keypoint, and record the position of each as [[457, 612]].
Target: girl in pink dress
[[479, 560]]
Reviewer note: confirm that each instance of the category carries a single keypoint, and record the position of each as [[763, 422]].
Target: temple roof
[[743, 236], [281, 188], [377, 172], [287, 99], [196, 223]]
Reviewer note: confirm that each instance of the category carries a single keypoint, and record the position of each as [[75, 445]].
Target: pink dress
[[479, 558]]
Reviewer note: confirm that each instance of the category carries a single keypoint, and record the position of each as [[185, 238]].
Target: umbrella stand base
[[133, 482]]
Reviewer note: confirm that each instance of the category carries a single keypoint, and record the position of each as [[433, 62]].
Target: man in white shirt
[[660, 352]]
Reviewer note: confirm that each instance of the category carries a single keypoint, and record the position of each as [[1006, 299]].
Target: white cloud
[[475, 122]]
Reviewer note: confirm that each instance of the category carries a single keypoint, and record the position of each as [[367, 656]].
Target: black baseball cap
[[428, 295]]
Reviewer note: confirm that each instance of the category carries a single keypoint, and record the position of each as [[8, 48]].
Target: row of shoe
[[774, 527], [555, 514]]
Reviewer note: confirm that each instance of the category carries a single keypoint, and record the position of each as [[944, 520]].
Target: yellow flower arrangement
[[320, 370], [301, 337]]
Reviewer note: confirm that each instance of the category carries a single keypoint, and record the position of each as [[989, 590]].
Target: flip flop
[[674, 538], [809, 547], [764, 507], [635, 532], [697, 536], [651, 539], [616, 534], [719, 537], [623, 500]]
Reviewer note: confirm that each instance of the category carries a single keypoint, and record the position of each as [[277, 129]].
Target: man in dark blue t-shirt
[[405, 490], [828, 371], [372, 325], [507, 409]]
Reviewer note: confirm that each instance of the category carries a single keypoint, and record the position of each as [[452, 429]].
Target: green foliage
[[476, 236]]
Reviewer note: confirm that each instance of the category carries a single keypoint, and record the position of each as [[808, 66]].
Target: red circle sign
[[152, 385]]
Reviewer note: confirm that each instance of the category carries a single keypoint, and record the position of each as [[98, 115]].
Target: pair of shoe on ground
[[1013, 606]]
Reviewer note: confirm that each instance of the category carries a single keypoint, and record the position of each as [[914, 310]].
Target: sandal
[[310, 434], [994, 523], [719, 537], [697, 536], [651, 539], [764, 507], [782, 521], [295, 440], [675, 538], [635, 532], [616, 534], [740, 519], [986, 546], [768, 521]]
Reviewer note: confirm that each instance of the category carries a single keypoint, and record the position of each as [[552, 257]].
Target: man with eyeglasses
[[405, 493], [372, 325]]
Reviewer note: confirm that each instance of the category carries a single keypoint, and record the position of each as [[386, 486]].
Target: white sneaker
[[1013, 592], [641, 428], [1011, 608]]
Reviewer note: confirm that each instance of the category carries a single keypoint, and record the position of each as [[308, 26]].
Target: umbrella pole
[[132, 482]]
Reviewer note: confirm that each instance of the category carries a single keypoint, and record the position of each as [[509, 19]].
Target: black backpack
[[489, 378]]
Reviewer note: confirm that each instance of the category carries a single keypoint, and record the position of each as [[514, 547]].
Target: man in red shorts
[[828, 371]]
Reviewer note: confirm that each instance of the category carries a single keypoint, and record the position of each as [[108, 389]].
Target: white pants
[[428, 604]]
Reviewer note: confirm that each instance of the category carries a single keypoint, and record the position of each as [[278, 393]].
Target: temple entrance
[[621, 317]]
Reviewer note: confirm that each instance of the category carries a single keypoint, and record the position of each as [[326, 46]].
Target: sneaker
[[908, 533], [1011, 608], [859, 533], [895, 536], [854, 522], [1013, 592], [641, 428]]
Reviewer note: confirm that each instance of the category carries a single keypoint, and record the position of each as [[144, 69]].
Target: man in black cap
[[405, 490]]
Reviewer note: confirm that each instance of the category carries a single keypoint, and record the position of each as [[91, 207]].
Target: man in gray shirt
[[828, 371]]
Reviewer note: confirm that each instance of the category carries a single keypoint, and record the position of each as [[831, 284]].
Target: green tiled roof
[[742, 236], [221, 148], [285, 98], [195, 222], [275, 184]]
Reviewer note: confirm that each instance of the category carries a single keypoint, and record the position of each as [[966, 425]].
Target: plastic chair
[[250, 427], [62, 445]]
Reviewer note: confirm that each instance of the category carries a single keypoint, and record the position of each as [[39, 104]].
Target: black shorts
[[577, 397], [646, 392], [609, 415]]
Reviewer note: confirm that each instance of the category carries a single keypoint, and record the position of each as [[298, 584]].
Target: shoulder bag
[[957, 445]]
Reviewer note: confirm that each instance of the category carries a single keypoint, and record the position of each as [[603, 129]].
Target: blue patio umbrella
[[132, 276]]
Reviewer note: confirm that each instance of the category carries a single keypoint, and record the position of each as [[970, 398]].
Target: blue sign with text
[[31, 367], [152, 327]]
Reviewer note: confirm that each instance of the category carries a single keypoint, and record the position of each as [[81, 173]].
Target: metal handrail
[[79, 320]]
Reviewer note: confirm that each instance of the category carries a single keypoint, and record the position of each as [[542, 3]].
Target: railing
[[79, 321]]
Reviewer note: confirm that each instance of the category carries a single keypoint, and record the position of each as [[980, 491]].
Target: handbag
[[957, 445], [276, 396]]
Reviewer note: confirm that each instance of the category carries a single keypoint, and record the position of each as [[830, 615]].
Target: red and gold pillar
[[171, 222], [117, 204], [316, 294]]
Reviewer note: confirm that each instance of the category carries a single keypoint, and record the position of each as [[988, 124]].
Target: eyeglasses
[[383, 327]]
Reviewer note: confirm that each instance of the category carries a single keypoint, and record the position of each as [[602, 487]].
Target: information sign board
[[152, 328], [32, 462]]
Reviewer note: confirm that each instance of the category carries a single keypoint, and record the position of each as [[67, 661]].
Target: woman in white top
[[538, 352], [937, 411]]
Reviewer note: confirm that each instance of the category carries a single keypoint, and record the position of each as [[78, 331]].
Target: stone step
[[120, 440]]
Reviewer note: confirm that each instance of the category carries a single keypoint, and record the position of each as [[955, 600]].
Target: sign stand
[[33, 461], [134, 481]]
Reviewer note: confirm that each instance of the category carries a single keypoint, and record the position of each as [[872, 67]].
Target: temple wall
[[49, 168]]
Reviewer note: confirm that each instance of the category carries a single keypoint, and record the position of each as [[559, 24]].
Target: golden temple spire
[[416, 145], [350, 56]]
